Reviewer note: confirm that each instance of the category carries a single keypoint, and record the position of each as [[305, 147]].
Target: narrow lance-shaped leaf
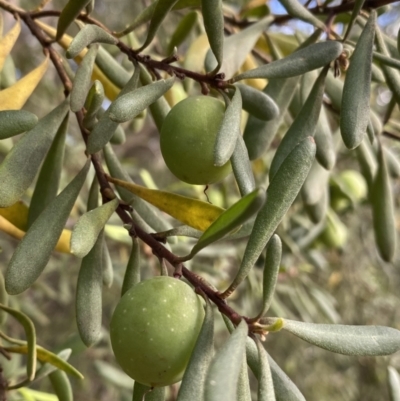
[[14, 122], [259, 134], [237, 47], [21, 164], [243, 387], [303, 126], [394, 384], [306, 59], [88, 294], [297, 10], [265, 383], [145, 211], [271, 272], [355, 107], [89, 226], [86, 36], [48, 368], [241, 167], [105, 127], [229, 130], [346, 339], [7, 42], [30, 334], [108, 270], [40, 240], [132, 271], [82, 79], [281, 193], [258, 103], [187, 23], [111, 68], [214, 26], [161, 9], [222, 377], [68, 15], [61, 385], [231, 218], [367, 162], [128, 106], [194, 213], [326, 153], [15, 96], [194, 379], [358, 4], [47, 184], [3, 298], [93, 104], [383, 210]]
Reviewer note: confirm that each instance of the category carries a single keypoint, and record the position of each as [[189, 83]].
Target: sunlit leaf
[[7, 42]]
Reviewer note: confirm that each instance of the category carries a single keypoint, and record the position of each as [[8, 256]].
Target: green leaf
[[88, 227], [48, 368], [326, 153], [346, 339], [83, 79], [68, 15], [145, 211], [194, 379], [367, 162], [94, 101], [214, 26], [47, 184], [108, 270], [34, 251], [20, 166], [132, 271], [88, 294], [355, 107], [14, 122], [86, 36], [187, 23], [281, 193], [229, 130], [358, 5], [105, 127], [111, 68], [271, 272], [237, 47], [223, 374], [394, 384], [61, 385], [30, 334], [231, 218], [383, 211], [297, 10], [265, 383], [303, 126], [258, 103], [306, 59], [161, 9], [258, 134], [130, 105], [241, 167], [243, 387], [193, 212]]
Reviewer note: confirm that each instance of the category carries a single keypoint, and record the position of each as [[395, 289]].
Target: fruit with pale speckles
[[154, 329]]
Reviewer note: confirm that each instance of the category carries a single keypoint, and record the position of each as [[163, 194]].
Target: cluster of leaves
[[270, 87]]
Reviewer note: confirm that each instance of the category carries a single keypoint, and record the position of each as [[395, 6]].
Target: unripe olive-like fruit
[[154, 329], [188, 138]]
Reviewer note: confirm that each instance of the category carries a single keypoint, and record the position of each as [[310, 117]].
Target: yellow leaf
[[10, 229], [250, 64], [14, 97], [8, 41], [17, 214], [110, 89], [193, 212]]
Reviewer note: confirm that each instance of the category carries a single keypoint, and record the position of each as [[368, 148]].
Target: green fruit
[[188, 137], [154, 330]]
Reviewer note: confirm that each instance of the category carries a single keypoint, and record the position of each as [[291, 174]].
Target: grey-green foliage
[[297, 10], [229, 130], [68, 15], [354, 114], [394, 384], [41, 238], [223, 375], [61, 385], [93, 103], [193, 382], [266, 390], [14, 122], [47, 184], [21, 164], [347, 339], [132, 271], [182, 31]]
